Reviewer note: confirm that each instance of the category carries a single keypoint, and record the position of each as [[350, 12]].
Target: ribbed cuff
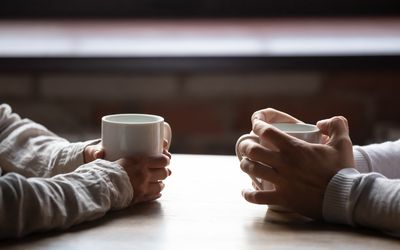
[[361, 161], [336, 206]]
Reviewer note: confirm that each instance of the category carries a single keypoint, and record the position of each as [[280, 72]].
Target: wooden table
[[202, 208]]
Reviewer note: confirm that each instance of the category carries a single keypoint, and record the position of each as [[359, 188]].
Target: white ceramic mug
[[306, 132], [133, 134]]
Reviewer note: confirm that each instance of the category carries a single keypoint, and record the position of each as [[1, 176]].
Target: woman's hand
[[300, 171], [146, 174], [93, 152]]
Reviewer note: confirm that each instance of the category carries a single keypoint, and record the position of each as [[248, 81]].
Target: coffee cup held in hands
[[307, 132], [126, 135]]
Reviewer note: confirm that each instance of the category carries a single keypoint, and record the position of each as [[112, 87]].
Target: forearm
[[30, 149], [382, 158], [39, 204], [369, 200]]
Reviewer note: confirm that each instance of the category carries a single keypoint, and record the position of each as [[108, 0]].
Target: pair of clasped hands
[[300, 171]]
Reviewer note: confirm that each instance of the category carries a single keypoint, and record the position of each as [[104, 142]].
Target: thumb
[[93, 152], [336, 128], [99, 153]]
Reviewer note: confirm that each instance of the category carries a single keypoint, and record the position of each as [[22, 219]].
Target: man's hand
[[271, 115], [300, 171]]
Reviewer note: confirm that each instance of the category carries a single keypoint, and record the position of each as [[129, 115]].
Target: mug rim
[[157, 118]]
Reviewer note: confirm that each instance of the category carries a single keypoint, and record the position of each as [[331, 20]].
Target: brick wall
[[207, 112]]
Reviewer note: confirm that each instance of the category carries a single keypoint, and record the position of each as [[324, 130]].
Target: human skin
[[146, 173], [299, 170]]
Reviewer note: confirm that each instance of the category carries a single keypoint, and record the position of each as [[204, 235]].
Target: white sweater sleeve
[[383, 158], [31, 150], [40, 204], [369, 198]]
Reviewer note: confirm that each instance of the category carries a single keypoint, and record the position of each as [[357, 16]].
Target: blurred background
[[205, 66]]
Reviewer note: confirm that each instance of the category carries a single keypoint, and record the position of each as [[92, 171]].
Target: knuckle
[[255, 114], [162, 161], [253, 151], [258, 112], [243, 165], [340, 120], [164, 174], [247, 166], [267, 132], [336, 119], [165, 160], [160, 187], [267, 110], [344, 119]]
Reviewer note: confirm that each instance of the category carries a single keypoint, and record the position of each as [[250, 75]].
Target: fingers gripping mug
[[133, 134], [307, 132]]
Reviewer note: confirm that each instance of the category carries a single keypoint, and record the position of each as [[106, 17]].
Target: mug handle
[[257, 181], [167, 133]]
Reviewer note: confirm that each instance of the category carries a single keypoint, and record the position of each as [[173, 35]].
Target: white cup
[[133, 134], [307, 132]]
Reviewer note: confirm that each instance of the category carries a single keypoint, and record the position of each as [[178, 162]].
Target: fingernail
[[169, 172]]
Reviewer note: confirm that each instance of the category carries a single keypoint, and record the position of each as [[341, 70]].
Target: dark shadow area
[[194, 9]]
